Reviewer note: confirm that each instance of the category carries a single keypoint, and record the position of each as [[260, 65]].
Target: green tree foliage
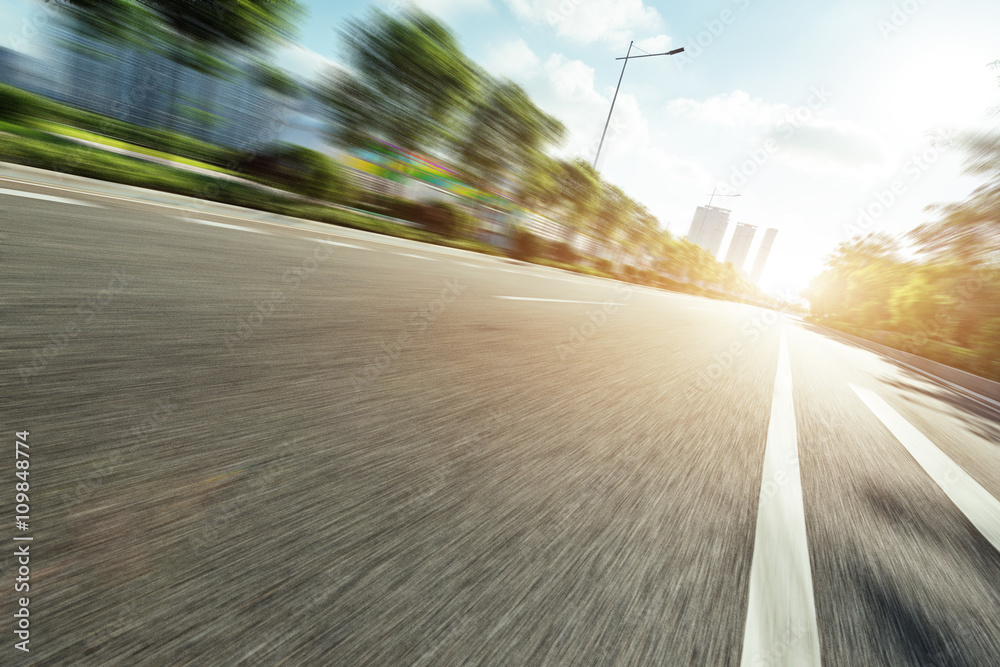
[[409, 82], [276, 80], [582, 188], [614, 211], [304, 171], [943, 304], [858, 282], [543, 188], [505, 133], [253, 24]]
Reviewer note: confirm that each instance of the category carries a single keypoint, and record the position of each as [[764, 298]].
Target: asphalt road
[[261, 443]]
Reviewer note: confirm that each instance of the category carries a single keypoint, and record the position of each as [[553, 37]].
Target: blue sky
[[822, 117]]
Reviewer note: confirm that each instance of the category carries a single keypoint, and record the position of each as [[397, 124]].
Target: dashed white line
[[222, 224], [343, 245], [406, 254], [35, 195], [968, 495], [532, 298], [781, 611]]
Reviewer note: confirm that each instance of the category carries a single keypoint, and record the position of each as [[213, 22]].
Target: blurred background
[[406, 134]]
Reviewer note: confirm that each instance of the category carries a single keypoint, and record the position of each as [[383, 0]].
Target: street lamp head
[[680, 50]]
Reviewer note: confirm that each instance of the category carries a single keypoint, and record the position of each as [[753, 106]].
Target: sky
[[828, 120]]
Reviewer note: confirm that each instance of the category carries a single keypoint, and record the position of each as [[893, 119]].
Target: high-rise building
[[739, 247], [143, 86], [708, 227], [762, 253]]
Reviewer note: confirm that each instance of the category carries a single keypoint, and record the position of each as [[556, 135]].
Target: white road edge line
[[532, 298], [35, 195], [982, 509], [406, 254], [985, 401], [222, 224], [781, 611]]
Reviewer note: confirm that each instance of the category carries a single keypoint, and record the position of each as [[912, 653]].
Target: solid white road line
[[35, 195], [532, 298], [975, 502], [781, 613], [406, 254], [222, 224]]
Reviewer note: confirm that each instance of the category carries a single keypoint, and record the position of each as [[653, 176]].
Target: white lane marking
[[968, 495], [406, 254], [781, 612], [35, 195], [342, 245], [471, 266], [985, 401], [222, 224], [532, 298]]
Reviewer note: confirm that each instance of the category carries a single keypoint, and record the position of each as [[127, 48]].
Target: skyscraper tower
[[739, 247], [708, 227], [762, 253]]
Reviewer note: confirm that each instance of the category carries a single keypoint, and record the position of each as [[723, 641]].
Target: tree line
[[408, 83], [934, 291]]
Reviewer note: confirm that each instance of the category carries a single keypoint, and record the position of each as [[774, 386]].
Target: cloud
[[513, 59], [589, 21], [803, 136], [733, 109], [572, 80], [658, 44], [566, 90], [831, 143]]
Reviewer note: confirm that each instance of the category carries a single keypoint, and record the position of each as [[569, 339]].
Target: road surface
[[254, 442]]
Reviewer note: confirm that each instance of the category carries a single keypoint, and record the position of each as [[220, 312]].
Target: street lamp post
[[713, 196], [628, 55]]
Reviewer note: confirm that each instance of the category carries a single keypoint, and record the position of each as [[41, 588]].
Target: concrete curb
[[987, 389]]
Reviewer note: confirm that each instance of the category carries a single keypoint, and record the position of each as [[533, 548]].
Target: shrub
[[15, 104], [603, 265], [563, 252], [526, 245], [453, 221], [303, 171]]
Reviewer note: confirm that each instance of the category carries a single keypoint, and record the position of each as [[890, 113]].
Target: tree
[[505, 133], [408, 82], [542, 187], [859, 280], [613, 211], [253, 24], [581, 187]]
